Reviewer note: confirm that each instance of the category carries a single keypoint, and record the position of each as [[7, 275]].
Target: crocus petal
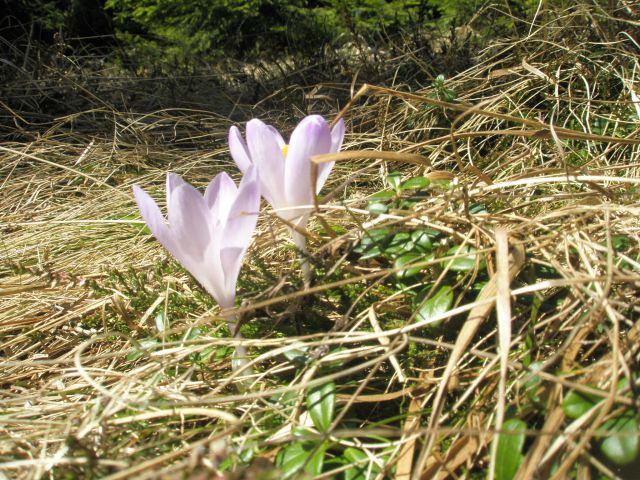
[[199, 252], [210, 280], [266, 153], [173, 181], [231, 261], [337, 136], [277, 136], [310, 137], [324, 169], [199, 227], [153, 218], [189, 222], [241, 223], [238, 149], [243, 214], [214, 280], [219, 197]]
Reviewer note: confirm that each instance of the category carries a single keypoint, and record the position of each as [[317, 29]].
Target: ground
[[477, 265]]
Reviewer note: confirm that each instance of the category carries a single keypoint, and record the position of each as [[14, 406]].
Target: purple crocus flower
[[285, 169], [208, 234]]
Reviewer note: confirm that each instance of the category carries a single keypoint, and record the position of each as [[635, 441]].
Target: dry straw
[[84, 392]]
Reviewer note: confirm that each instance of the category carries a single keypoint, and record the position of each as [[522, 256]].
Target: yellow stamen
[[285, 149]]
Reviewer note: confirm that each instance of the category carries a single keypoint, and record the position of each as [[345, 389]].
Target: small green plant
[[442, 91], [510, 445], [439, 303], [618, 438], [407, 250]]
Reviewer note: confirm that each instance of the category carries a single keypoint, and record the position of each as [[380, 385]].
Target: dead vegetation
[[115, 365]]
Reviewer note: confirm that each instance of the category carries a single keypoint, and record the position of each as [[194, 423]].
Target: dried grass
[[520, 141]]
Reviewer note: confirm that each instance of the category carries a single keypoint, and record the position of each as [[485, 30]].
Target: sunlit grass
[[116, 364]]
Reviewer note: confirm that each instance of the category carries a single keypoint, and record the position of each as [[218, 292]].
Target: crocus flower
[[208, 234], [285, 169]]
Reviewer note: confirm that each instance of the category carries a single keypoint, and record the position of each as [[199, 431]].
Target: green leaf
[[372, 243], [440, 303], [463, 263], [376, 235], [142, 228], [301, 456], [621, 449], [422, 240], [355, 454], [221, 352], [247, 453], [298, 354], [337, 362], [406, 205], [284, 400], [302, 432], [544, 271], [362, 468], [477, 208], [509, 454], [576, 404], [371, 253], [205, 354], [449, 94], [441, 184], [533, 383], [226, 464], [382, 195], [415, 183], [406, 259], [321, 402], [161, 321], [193, 333], [400, 243], [377, 208], [394, 179], [144, 346], [526, 347]]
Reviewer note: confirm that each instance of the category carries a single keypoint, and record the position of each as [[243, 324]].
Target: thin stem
[[240, 355], [301, 243]]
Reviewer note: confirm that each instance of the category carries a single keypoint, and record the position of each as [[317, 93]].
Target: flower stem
[[240, 356], [301, 243]]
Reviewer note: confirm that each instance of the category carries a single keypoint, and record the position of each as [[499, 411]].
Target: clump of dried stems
[[77, 396]]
